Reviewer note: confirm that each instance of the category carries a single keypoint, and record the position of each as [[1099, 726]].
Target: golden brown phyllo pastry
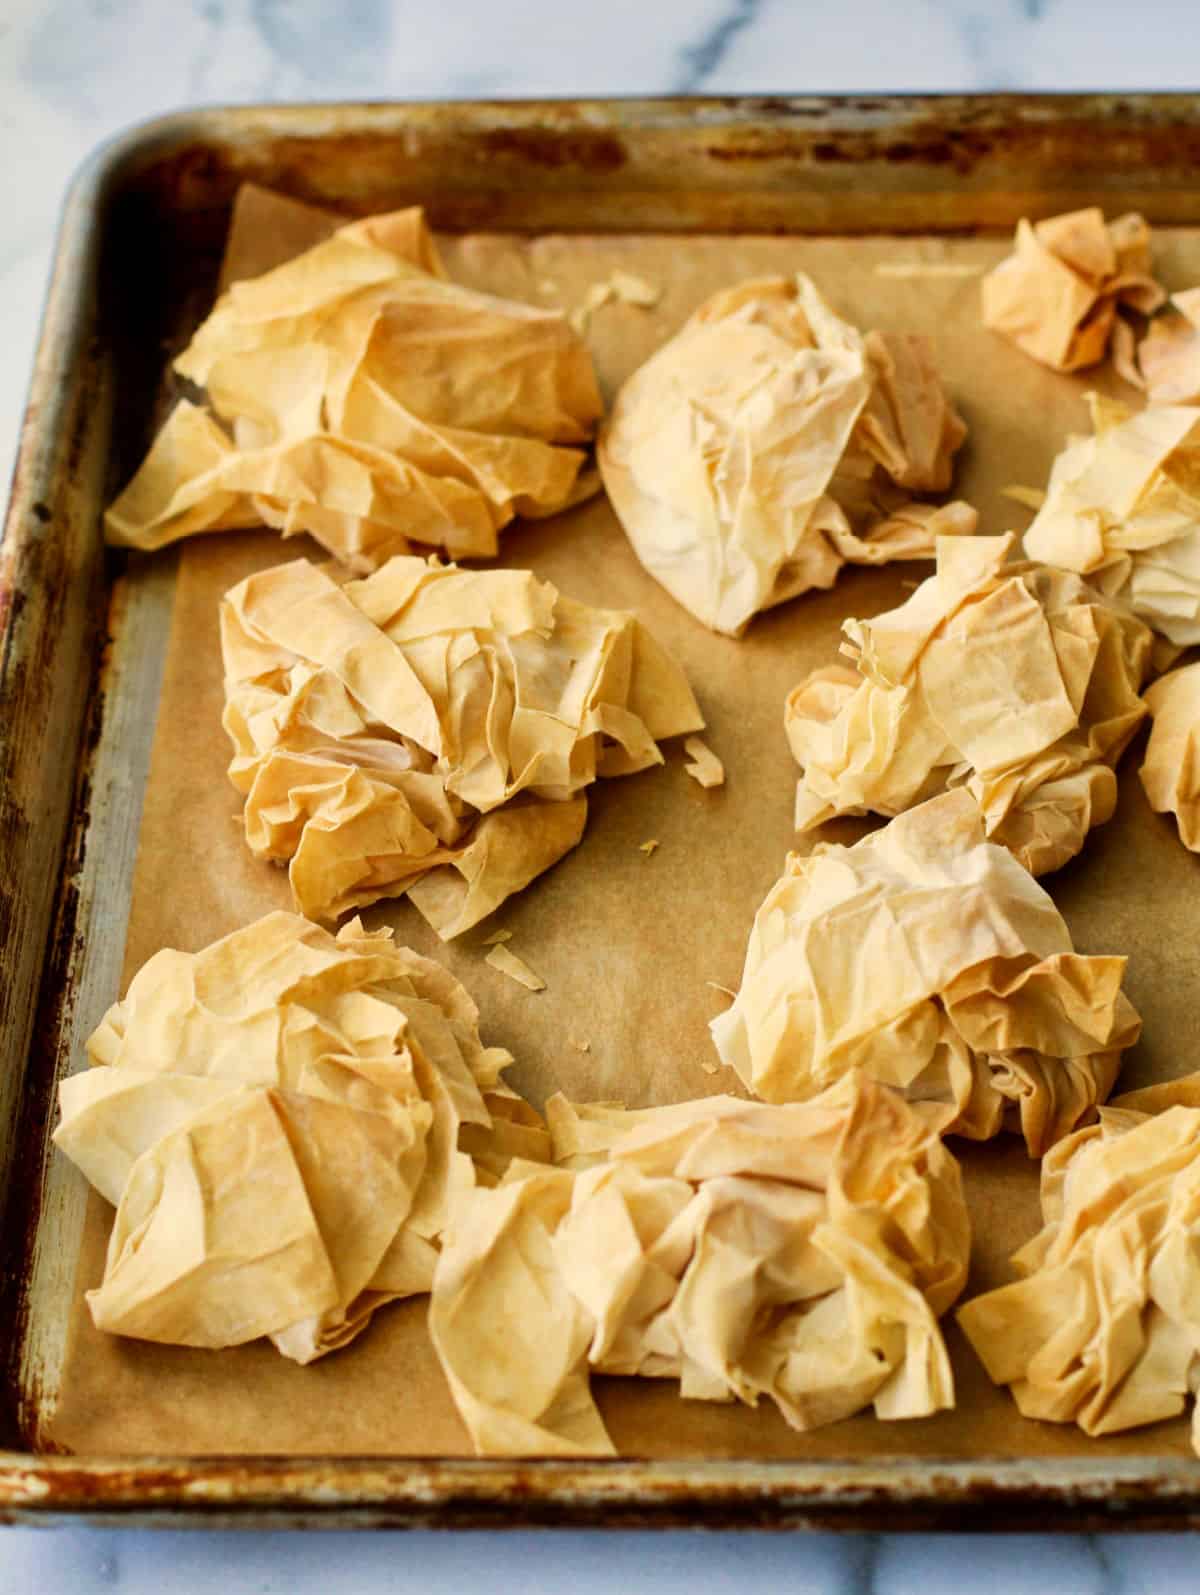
[[1058, 294], [1171, 769], [800, 1253], [430, 730], [363, 398], [279, 1122], [930, 958], [1016, 681], [769, 442], [1169, 354], [1123, 509], [1103, 1327]]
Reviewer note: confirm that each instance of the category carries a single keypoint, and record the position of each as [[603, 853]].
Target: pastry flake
[[1170, 772], [801, 1253], [1123, 508], [507, 962], [703, 765], [360, 396], [430, 730], [929, 957], [1018, 681], [278, 1121], [768, 443], [1102, 1328], [1058, 294]]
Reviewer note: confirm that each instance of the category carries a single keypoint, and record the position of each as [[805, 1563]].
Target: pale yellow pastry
[[1123, 509], [430, 730], [930, 958], [1102, 1328], [1171, 769], [801, 1253], [768, 443], [279, 1120], [1057, 295], [1017, 681], [360, 396], [1169, 355]]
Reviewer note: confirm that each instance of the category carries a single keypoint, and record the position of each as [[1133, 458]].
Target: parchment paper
[[626, 941]]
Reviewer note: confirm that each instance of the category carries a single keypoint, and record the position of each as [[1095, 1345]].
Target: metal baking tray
[[83, 636]]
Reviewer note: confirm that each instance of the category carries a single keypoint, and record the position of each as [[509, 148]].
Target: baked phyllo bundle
[[1170, 772], [770, 442], [1016, 681], [1169, 355], [1103, 1327], [431, 731], [1122, 508], [1057, 296], [283, 1122], [930, 958], [801, 1253], [360, 396]]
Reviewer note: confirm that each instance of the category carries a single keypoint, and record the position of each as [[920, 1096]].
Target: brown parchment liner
[[626, 941]]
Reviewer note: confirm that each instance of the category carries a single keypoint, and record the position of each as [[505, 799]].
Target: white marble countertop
[[72, 72]]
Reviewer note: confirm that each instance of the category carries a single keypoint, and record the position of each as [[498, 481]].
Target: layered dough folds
[[431, 730], [1103, 1329], [930, 958], [1123, 509], [363, 398], [1019, 682], [1169, 354], [801, 1253], [282, 1122], [1057, 295], [1171, 769], [768, 443]]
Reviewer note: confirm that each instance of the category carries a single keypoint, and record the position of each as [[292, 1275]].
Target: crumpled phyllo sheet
[[1171, 769], [1015, 680], [1169, 355], [1122, 507], [932, 959], [768, 443], [1057, 295], [801, 1253], [431, 730], [279, 1121], [1103, 1327], [363, 398]]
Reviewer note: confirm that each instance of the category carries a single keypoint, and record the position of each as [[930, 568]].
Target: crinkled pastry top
[[282, 1121], [1017, 681], [360, 396], [1169, 354], [1123, 508], [768, 443], [1170, 772], [1103, 1327], [383, 728], [930, 958], [1057, 296], [803, 1253]]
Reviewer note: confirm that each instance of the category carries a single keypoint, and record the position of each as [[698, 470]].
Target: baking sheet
[[625, 942]]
